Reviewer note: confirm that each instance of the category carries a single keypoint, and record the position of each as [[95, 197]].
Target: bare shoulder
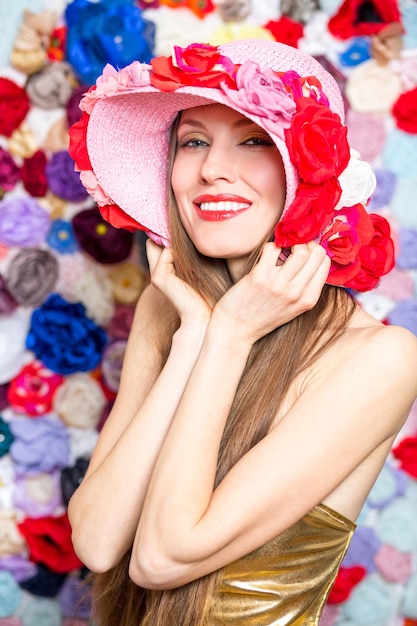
[[394, 348]]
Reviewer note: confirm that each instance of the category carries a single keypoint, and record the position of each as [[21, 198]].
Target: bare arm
[[105, 509], [187, 528]]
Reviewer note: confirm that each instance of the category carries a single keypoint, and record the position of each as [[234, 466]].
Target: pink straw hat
[[128, 131], [121, 144]]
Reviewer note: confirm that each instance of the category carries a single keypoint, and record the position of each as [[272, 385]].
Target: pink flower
[[89, 181], [262, 93], [112, 82]]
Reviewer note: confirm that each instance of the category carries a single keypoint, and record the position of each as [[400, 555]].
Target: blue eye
[[258, 141], [193, 143]]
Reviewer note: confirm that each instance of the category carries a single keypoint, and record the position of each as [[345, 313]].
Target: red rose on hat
[[309, 214], [14, 106], [201, 65], [350, 229], [377, 257], [405, 111], [317, 142]]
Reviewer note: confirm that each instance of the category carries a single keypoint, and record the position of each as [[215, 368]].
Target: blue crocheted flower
[[61, 237], [64, 338], [110, 31]]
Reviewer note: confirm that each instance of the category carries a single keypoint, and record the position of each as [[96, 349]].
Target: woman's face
[[229, 182]]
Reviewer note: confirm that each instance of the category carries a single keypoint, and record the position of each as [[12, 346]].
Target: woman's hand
[[191, 307], [272, 294]]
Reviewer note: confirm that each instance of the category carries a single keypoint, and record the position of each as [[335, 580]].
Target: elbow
[[152, 570]]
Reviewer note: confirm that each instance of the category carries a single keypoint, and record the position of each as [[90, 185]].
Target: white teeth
[[224, 206]]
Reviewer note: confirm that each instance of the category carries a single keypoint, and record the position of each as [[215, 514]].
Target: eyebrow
[[197, 124]]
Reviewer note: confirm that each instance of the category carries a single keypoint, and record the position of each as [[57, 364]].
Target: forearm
[[183, 480], [104, 532]]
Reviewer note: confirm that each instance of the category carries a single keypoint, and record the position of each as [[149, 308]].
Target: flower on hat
[[200, 65], [262, 93]]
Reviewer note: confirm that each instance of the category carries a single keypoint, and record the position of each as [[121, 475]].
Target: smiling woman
[[226, 169], [250, 416]]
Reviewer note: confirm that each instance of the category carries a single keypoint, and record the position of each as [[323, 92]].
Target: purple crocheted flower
[[23, 222], [63, 181], [40, 445]]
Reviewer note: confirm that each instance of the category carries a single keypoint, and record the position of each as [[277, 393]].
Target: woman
[[251, 421]]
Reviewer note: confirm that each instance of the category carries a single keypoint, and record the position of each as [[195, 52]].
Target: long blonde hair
[[274, 363]]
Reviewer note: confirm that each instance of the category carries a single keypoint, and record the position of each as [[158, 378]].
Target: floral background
[[69, 281]]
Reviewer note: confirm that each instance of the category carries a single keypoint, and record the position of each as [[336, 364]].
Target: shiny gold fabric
[[285, 582]]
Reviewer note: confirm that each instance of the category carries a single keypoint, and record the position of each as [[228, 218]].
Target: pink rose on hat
[[262, 92]]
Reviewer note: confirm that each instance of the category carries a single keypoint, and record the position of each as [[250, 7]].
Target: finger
[[153, 252]]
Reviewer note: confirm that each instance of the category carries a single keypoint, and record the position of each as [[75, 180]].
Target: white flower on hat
[[358, 182]]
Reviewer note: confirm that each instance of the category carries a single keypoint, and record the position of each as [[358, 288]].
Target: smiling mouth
[[220, 210], [223, 206]]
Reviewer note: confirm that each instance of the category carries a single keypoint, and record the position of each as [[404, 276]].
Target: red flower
[[200, 65], [115, 216], [406, 452], [78, 144], [309, 214], [347, 578], [357, 17], [14, 106], [57, 43], [317, 142], [351, 229], [377, 257], [199, 7], [34, 176], [9, 171], [405, 111], [49, 542], [286, 30]]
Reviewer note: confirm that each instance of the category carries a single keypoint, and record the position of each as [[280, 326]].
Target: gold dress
[[285, 582]]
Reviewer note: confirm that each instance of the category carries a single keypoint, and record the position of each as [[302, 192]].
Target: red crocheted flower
[[317, 142], [33, 389], [406, 453], [34, 175], [14, 106], [309, 214], [201, 65], [405, 111], [360, 17], [49, 542], [286, 30], [347, 578]]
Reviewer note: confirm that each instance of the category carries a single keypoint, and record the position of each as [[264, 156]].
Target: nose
[[218, 164]]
